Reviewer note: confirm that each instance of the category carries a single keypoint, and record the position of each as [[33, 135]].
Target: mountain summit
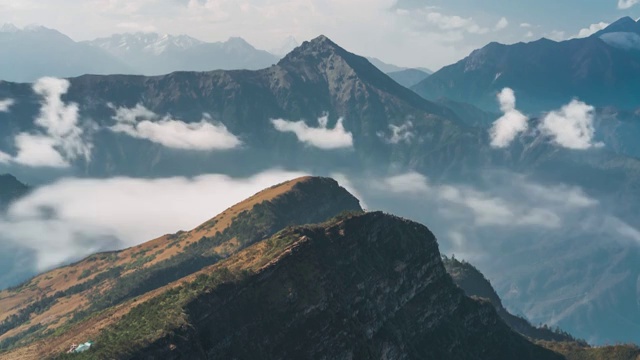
[[625, 24]]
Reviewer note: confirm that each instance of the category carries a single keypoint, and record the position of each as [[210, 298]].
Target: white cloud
[[58, 138], [529, 34], [320, 137], [399, 133], [592, 29], [60, 120], [502, 24], [510, 124], [38, 151], [408, 183], [5, 104], [73, 218], [5, 158], [626, 4], [557, 35], [571, 126], [141, 123], [525, 25]]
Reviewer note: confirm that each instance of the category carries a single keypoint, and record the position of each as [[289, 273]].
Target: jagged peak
[[625, 24], [316, 45]]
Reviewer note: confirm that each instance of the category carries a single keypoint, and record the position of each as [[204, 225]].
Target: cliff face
[[366, 286]]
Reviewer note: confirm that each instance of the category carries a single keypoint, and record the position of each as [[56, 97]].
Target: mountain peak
[[622, 25]]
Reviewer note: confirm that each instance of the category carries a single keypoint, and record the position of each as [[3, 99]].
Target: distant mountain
[[361, 285], [408, 77], [155, 54], [473, 282], [390, 68], [33, 52], [285, 47], [545, 74]]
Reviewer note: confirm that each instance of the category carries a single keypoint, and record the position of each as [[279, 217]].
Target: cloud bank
[[320, 137], [523, 204], [510, 124], [73, 218], [59, 139], [141, 123], [571, 126]]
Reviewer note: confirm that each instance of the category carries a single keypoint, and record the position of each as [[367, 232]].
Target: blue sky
[[428, 33]]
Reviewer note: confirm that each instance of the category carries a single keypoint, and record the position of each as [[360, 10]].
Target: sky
[[417, 33]]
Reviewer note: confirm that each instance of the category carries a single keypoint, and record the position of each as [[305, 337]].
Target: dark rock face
[[367, 287]]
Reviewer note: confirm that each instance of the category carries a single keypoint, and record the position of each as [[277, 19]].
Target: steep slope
[[156, 54], [57, 298], [473, 282], [30, 53], [359, 286], [545, 74]]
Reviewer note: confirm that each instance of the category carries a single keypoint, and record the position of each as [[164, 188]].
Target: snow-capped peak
[[146, 42]]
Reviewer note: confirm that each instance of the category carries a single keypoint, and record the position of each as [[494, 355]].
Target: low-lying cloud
[[58, 138], [399, 134], [5, 104], [571, 126], [73, 218], [524, 204], [320, 137], [206, 135], [510, 124]]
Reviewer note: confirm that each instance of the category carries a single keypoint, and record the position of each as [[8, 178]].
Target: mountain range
[[600, 69], [155, 54], [372, 125], [35, 52]]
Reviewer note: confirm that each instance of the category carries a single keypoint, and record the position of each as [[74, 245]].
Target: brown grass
[[65, 277]]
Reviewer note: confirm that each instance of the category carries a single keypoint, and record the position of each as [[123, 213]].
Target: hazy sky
[[429, 33]]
